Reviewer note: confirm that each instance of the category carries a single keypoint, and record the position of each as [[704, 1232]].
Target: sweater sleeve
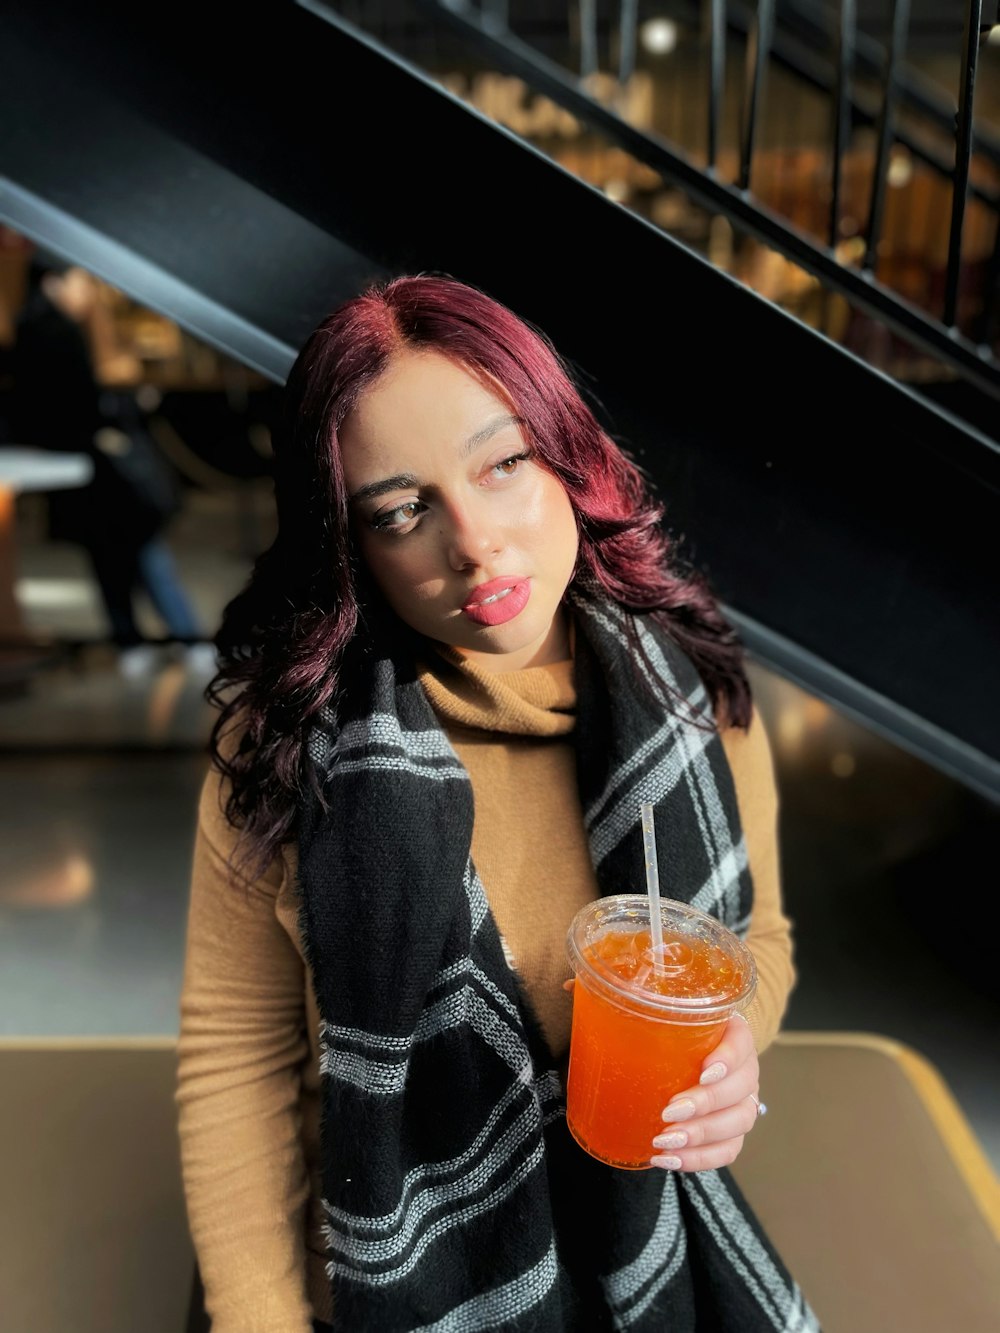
[[769, 936], [242, 1044]]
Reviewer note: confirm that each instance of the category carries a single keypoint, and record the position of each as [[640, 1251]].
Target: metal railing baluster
[[897, 43], [991, 291], [716, 77], [963, 157], [758, 45], [628, 36], [588, 38], [842, 107], [496, 16]]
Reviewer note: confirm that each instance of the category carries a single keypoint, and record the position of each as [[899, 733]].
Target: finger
[[735, 1047], [568, 985], [706, 1098], [700, 1159], [732, 1123]]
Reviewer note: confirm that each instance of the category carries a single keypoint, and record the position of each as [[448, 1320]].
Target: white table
[[25, 469]]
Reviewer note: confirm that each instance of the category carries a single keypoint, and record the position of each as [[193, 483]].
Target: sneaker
[[200, 660], [138, 662]]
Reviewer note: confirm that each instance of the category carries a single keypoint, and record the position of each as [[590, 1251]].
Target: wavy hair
[[291, 640]]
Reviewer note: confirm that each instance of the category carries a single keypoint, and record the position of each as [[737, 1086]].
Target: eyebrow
[[404, 480], [401, 481], [487, 432]]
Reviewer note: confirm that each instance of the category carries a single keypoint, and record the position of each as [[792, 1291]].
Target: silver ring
[[761, 1108]]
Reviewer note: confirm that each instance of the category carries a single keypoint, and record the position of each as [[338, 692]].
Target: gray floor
[[885, 862]]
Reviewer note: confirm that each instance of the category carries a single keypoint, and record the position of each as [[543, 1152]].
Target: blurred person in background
[[120, 516]]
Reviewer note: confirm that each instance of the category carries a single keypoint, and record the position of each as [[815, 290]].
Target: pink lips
[[498, 601]]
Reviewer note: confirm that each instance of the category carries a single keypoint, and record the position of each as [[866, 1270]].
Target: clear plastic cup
[[641, 1027]]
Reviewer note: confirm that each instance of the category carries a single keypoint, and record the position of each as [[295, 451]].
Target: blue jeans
[[119, 569], [158, 575]]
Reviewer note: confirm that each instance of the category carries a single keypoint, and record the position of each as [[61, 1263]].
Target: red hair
[[285, 640]]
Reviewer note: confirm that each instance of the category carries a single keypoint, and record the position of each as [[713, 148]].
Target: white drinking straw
[[652, 881]]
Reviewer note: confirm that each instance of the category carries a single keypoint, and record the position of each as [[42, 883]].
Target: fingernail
[[683, 1109], [675, 1140], [670, 1163], [714, 1073]]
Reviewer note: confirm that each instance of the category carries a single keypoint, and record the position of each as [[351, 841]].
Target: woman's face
[[470, 540]]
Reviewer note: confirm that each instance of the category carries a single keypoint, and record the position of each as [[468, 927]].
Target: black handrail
[[972, 361]]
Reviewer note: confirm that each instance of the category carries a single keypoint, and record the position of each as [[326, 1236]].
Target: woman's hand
[[707, 1123]]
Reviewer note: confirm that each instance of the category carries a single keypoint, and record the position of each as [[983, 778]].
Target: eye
[[398, 519], [510, 465]]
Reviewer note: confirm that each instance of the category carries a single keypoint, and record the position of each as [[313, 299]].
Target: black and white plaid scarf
[[454, 1197]]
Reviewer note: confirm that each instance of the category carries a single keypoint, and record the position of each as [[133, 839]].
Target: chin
[[510, 638], [502, 643]]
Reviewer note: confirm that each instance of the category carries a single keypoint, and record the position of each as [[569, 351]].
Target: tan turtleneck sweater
[[248, 1092]]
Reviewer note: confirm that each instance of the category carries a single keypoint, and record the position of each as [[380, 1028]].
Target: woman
[[464, 662]]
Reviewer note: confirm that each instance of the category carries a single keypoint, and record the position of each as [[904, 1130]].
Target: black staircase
[[241, 171]]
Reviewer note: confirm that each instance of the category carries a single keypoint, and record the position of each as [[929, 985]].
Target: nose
[[472, 535]]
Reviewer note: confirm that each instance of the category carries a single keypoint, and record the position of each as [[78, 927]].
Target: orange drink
[[642, 1025]]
